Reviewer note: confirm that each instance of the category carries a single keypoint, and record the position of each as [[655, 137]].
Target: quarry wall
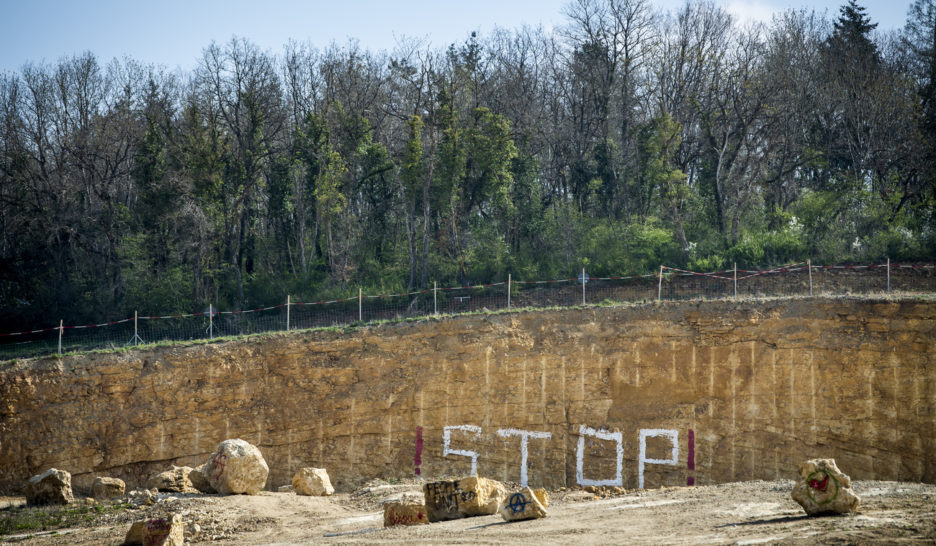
[[660, 394]]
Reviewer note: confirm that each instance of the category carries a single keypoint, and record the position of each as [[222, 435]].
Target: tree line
[[621, 140]]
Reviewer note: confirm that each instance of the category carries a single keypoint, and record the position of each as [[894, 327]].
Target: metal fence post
[[210, 321], [136, 339], [583, 286], [809, 266], [508, 291], [61, 329], [888, 275], [660, 285], [360, 304], [435, 300], [288, 302], [736, 280]]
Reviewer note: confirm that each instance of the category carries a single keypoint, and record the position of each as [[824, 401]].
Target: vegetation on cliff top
[[618, 142]]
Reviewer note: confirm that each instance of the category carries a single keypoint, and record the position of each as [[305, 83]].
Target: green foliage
[[134, 189], [633, 248], [24, 519]]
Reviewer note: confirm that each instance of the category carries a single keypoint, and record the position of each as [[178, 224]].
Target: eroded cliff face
[[713, 391]]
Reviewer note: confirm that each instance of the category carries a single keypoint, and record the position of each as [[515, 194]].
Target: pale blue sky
[[174, 32]]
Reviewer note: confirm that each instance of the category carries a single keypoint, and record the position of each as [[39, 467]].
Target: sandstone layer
[[667, 394]]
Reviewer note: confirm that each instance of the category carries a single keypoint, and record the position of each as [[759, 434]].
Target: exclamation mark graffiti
[[417, 460], [690, 459]]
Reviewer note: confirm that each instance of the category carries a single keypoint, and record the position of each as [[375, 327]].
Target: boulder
[[167, 531], [143, 497], [175, 480], [455, 499], [107, 488], [51, 487], [523, 504], [312, 481], [823, 489], [404, 513], [199, 478], [542, 496], [237, 467], [135, 533]]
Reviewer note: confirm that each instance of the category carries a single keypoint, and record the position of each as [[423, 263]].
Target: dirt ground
[[736, 513]]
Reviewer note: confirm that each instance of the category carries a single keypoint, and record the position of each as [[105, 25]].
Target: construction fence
[[666, 284]]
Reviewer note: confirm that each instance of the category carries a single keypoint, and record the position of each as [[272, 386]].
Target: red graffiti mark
[[820, 485], [417, 460], [156, 531], [690, 458], [404, 519], [218, 462], [158, 524]]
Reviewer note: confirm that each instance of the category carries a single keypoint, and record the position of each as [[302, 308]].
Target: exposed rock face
[[824, 489], [312, 481], [51, 487], [174, 480], [404, 513], [107, 488], [523, 504], [237, 467], [472, 496], [199, 478], [747, 378]]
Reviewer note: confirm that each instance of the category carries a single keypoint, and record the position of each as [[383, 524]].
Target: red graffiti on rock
[[820, 485]]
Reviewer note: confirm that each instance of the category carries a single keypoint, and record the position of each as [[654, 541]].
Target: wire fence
[[668, 283]]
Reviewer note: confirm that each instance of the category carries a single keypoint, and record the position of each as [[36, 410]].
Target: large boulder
[[237, 467], [199, 478], [107, 488], [51, 487], [312, 481], [524, 504], [823, 489], [174, 480], [167, 531], [404, 513], [453, 499]]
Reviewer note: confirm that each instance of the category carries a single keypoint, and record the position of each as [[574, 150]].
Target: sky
[[173, 33]]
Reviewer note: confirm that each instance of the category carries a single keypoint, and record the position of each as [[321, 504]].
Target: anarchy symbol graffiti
[[518, 503]]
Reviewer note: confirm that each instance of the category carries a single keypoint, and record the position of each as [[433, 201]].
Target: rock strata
[[824, 489], [312, 481], [237, 467], [51, 487], [455, 499], [524, 504]]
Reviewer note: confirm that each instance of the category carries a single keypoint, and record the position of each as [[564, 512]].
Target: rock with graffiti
[[824, 489], [404, 513], [237, 467], [524, 504], [453, 499]]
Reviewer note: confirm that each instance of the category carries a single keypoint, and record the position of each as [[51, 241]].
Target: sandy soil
[[736, 513]]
